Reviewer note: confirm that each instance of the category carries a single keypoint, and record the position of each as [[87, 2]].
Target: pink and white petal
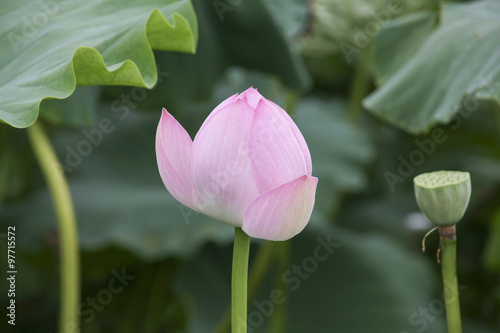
[[223, 104], [300, 138], [221, 166], [251, 95], [283, 212], [173, 154], [276, 155]]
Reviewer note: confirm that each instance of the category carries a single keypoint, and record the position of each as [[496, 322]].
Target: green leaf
[[403, 37], [50, 47], [457, 65]]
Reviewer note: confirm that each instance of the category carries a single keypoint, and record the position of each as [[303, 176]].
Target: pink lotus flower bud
[[248, 166]]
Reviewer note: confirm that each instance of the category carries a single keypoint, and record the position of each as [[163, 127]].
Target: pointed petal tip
[[165, 119], [251, 90], [173, 150], [310, 178], [165, 115], [252, 97]]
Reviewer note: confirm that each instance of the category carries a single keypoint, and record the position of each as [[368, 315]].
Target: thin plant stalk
[[66, 218], [449, 270], [260, 265], [239, 281]]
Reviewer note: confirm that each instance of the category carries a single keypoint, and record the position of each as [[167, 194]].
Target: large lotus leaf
[[457, 64], [118, 194], [404, 37], [49, 47], [365, 284]]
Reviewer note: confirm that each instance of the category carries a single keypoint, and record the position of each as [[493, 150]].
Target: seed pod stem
[[448, 241]]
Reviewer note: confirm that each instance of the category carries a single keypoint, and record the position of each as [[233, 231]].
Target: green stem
[[359, 86], [449, 271], [278, 321], [239, 281], [259, 267], [63, 205]]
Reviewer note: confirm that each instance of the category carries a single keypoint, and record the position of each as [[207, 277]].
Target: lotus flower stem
[[239, 281], [63, 205], [449, 270], [259, 267]]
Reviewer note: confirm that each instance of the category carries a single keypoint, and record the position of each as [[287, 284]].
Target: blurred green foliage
[[373, 277]]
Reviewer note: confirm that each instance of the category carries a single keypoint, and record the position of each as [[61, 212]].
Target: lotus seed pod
[[443, 196]]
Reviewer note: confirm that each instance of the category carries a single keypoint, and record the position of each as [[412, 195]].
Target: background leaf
[[52, 47], [455, 66]]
